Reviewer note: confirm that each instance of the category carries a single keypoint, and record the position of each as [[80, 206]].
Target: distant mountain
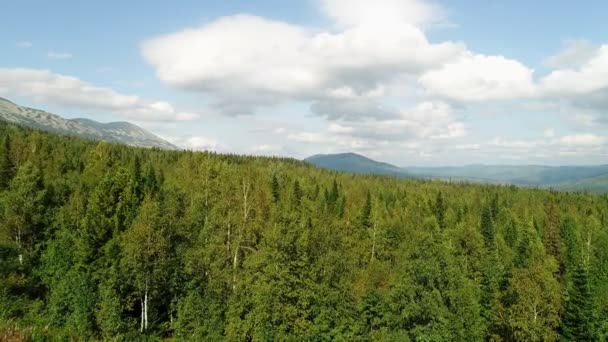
[[116, 132], [568, 178], [597, 184], [527, 175], [355, 163]]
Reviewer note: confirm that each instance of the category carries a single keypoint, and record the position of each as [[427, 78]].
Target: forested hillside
[[102, 241]]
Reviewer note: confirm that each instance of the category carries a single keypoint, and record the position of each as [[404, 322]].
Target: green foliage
[[101, 241], [580, 322], [6, 163], [487, 227]]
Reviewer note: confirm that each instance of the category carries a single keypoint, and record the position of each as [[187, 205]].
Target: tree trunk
[[18, 238], [234, 263], [146, 309], [141, 326]]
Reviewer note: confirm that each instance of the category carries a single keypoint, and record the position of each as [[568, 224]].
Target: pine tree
[[440, 210], [579, 321], [366, 214], [524, 248], [6, 165], [487, 227], [494, 206], [275, 188], [552, 237], [297, 194]]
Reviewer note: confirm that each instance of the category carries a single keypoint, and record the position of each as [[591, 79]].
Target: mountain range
[[115, 132], [568, 178]]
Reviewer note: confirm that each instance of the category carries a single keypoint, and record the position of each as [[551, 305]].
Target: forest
[[107, 242]]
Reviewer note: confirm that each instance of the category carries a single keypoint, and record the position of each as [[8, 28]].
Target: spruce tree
[[275, 188], [552, 237], [366, 214], [297, 194], [487, 227], [440, 210], [6, 165], [579, 323]]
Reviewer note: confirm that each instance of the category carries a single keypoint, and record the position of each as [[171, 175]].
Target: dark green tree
[[276, 191], [6, 164], [297, 194], [579, 322], [552, 237], [487, 226], [440, 210], [366, 213]]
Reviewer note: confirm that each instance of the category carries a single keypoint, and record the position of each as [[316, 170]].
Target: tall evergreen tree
[[366, 213], [494, 206], [440, 210], [274, 184], [552, 238], [297, 194], [6, 164], [579, 319], [487, 227]]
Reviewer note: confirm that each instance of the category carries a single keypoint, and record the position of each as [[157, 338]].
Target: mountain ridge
[[592, 178], [121, 132]]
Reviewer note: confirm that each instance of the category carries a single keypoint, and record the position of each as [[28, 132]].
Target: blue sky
[[411, 82]]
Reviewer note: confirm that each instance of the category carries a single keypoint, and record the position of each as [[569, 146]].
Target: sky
[[410, 82]]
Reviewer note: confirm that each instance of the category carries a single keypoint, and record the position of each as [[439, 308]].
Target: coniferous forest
[[108, 242]]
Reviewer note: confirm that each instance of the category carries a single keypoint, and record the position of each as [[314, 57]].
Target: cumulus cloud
[[59, 55], [583, 140], [195, 143], [418, 128], [589, 77], [473, 77], [574, 54], [46, 86], [428, 120], [244, 62]]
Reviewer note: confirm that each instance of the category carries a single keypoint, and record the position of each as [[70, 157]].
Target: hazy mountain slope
[[571, 178], [117, 132], [597, 184], [355, 163], [514, 174]]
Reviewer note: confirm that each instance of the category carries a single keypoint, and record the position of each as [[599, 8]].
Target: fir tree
[[440, 210], [275, 188], [579, 319], [297, 194], [366, 213], [487, 227], [552, 237], [6, 165]]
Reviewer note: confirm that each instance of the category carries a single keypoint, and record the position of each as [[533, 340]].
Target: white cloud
[[44, 85], [427, 124], [574, 54], [195, 142], [583, 140], [350, 13], [427, 120], [24, 44], [58, 55], [245, 62], [590, 76], [479, 78], [549, 133], [266, 150]]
